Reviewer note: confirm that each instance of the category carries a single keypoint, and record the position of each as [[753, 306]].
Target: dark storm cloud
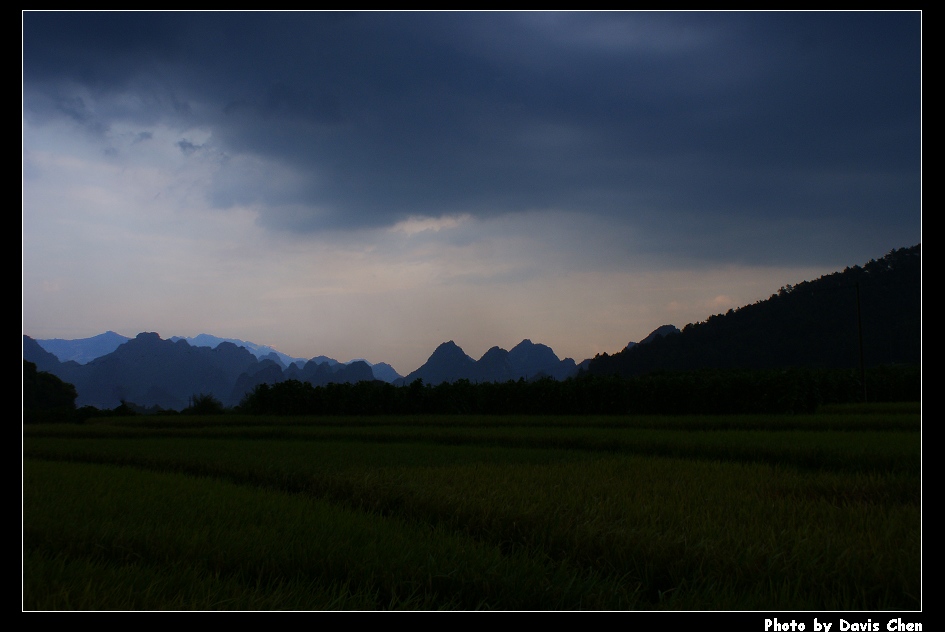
[[662, 120]]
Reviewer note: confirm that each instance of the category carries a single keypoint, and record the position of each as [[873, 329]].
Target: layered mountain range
[[149, 371], [862, 316], [526, 360]]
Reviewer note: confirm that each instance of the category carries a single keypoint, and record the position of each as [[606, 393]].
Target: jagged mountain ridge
[[152, 372], [449, 363], [526, 360], [811, 324], [380, 370], [260, 351], [84, 350]]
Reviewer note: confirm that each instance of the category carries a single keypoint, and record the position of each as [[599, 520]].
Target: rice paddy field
[[757, 513]]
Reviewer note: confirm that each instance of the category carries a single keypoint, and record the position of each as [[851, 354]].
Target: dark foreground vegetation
[[709, 512], [788, 391], [708, 391], [46, 398]]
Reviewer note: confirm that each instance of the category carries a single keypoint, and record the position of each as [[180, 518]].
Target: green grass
[[206, 544], [706, 513]]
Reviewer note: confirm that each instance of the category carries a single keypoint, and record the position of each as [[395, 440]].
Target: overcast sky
[[373, 184]]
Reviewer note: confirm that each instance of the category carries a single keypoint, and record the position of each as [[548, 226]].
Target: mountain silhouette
[[659, 332], [870, 314], [526, 360], [43, 359], [152, 372], [84, 350], [448, 363]]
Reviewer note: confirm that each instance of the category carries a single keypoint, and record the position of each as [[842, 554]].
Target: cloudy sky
[[373, 184]]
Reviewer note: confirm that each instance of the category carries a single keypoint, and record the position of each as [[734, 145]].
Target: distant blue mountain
[[149, 371], [83, 350], [380, 371], [152, 372], [43, 359], [385, 372], [260, 351]]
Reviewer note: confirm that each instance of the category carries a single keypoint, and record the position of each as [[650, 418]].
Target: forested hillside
[[814, 324]]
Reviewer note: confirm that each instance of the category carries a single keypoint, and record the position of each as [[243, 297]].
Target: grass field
[[818, 512]]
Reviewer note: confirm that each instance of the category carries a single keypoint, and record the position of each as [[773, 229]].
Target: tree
[[203, 404], [46, 398]]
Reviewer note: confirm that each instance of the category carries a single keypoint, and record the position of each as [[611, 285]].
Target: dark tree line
[[48, 399], [711, 391], [707, 391]]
